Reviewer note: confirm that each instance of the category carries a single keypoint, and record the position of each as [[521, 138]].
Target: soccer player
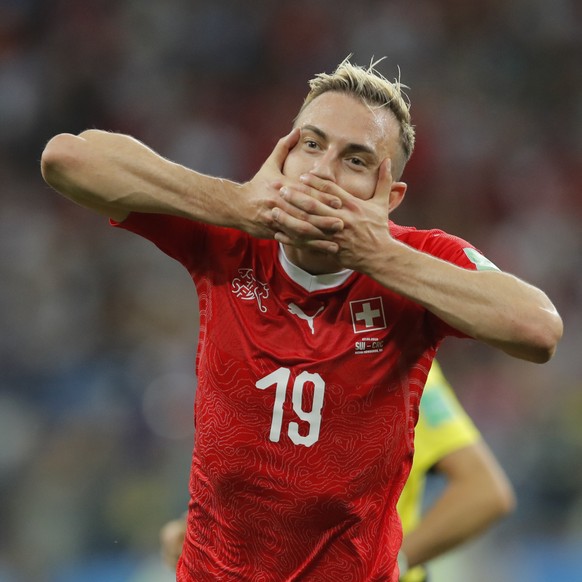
[[319, 320], [477, 491]]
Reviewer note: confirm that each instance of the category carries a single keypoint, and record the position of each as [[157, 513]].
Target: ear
[[396, 195]]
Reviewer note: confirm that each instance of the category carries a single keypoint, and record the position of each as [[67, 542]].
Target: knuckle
[[309, 205], [332, 201]]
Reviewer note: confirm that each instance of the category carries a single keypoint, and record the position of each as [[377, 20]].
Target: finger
[[309, 200], [325, 189], [322, 245], [328, 199], [384, 183], [283, 147], [300, 225]]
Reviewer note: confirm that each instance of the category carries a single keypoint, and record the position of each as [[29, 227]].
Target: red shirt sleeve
[[177, 237], [444, 246]]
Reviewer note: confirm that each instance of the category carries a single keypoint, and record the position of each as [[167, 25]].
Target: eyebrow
[[350, 148]]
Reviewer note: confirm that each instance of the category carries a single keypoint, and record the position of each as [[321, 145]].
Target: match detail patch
[[481, 262]]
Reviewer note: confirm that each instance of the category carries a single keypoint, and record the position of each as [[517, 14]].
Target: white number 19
[[280, 378]]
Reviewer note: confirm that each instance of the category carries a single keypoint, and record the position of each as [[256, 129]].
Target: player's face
[[345, 141]]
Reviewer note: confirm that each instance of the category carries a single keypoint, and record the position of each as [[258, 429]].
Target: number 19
[[280, 378]]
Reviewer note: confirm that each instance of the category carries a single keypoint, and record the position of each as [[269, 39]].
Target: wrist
[[371, 262], [250, 213]]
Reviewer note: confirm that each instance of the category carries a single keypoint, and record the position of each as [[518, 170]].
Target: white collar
[[308, 281]]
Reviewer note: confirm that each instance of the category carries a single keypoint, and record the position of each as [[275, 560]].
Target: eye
[[358, 162], [311, 146]]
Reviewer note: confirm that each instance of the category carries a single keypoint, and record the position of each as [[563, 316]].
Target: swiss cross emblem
[[367, 315]]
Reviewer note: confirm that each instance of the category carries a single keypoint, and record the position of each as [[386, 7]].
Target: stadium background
[[99, 329]]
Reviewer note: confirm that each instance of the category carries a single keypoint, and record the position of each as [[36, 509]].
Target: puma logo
[[295, 310]]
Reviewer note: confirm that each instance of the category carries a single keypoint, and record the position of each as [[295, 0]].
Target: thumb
[[282, 149]]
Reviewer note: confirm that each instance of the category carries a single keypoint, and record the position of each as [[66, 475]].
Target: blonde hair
[[373, 89]]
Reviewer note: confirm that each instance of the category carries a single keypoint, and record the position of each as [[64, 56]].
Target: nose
[[324, 167]]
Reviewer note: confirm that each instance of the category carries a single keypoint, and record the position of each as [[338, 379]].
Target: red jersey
[[307, 398]]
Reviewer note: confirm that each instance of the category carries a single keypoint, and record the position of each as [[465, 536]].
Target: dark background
[[98, 329]]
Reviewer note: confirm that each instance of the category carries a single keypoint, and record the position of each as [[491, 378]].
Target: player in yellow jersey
[[477, 492]]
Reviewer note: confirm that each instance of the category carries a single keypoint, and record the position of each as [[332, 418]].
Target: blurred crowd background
[[99, 329]]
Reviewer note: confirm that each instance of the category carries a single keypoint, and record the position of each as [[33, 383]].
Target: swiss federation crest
[[247, 288]]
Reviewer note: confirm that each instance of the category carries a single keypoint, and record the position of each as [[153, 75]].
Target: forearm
[[115, 174], [454, 519], [478, 493], [490, 306]]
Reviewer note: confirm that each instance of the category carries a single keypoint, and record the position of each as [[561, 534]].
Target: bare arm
[[494, 307], [477, 494], [115, 174]]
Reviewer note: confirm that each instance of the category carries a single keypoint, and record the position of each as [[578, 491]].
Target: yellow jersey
[[443, 427]]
